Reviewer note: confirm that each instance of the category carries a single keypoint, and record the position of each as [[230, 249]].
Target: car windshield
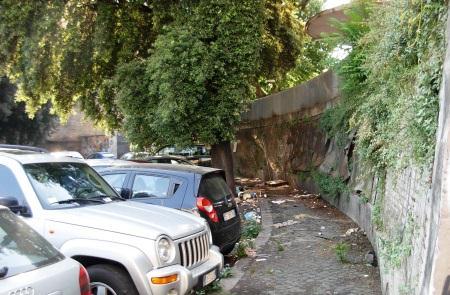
[[21, 248], [61, 185]]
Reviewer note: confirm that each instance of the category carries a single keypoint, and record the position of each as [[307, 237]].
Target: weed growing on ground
[[250, 229], [280, 246], [216, 286], [341, 250]]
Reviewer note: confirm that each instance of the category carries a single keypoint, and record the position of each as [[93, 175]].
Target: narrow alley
[[312, 248]]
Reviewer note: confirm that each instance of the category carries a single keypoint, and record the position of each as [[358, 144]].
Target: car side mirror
[[125, 193], [13, 205]]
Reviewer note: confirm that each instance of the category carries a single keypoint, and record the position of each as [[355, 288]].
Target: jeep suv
[[126, 247], [201, 190]]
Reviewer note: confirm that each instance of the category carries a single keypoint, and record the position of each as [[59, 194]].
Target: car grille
[[194, 251]]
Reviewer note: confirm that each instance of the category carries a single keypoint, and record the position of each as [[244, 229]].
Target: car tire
[[112, 279], [227, 249]]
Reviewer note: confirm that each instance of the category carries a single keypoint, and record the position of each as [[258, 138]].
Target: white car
[[30, 265], [126, 247]]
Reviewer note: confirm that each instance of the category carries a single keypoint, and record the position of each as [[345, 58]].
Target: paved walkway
[[300, 258]]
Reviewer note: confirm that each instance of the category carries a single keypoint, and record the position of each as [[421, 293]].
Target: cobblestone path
[[301, 257]]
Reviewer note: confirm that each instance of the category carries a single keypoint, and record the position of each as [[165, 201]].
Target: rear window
[[214, 187], [21, 248]]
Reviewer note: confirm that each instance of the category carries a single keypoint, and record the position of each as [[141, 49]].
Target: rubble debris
[[279, 202], [251, 215], [274, 183], [306, 196], [286, 223], [250, 252], [350, 231], [371, 258]]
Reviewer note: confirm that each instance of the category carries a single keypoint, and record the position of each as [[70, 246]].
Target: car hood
[[132, 218]]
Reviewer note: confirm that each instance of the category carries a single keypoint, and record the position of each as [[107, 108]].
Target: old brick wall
[[78, 134]]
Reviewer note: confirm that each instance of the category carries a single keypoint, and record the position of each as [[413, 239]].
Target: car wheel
[[110, 280]]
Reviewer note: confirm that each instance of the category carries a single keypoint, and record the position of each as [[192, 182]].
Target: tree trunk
[[222, 158]]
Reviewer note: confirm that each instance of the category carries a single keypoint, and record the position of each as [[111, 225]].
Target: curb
[[260, 241]]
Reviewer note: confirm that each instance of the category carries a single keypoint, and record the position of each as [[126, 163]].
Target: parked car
[[162, 159], [31, 265], [105, 163], [126, 247], [197, 154], [71, 154], [101, 155], [197, 189], [135, 156]]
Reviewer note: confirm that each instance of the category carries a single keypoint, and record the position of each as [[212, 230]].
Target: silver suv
[[30, 265], [127, 247]]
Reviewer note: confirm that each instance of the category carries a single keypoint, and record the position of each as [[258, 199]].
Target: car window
[[214, 187], [115, 180], [21, 248], [9, 187], [56, 182], [150, 186]]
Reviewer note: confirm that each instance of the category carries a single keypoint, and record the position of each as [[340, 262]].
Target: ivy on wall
[[390, 81]]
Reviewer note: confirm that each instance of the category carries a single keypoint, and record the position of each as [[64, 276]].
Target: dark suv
[[200, 190]]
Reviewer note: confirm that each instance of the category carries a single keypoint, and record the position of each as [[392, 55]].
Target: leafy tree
[[63, 52], [15, 126], [164, 72]]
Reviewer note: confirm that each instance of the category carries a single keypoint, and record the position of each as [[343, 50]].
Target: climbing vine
[[390, 81]]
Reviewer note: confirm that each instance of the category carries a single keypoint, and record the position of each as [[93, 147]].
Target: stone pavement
[[301, 259]]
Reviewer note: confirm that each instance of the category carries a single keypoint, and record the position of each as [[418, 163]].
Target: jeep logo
[[23, 291]]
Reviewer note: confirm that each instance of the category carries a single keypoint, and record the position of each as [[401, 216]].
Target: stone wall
[[78, 134], [280, 137], [406, 215]]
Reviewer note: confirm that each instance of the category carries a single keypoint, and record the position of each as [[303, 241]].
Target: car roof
[[165, 167], [30, 157], [105, 162]]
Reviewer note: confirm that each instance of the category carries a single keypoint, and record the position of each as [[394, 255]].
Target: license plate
[[229, 215], [209, 278]]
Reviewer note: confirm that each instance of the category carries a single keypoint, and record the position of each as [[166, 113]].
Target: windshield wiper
[[3, 272], [76, 200], [111, 197]]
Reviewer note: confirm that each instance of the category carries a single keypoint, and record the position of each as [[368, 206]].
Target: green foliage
[[377, 210], [165, 72], [377, 219], [216, 285], [390, 81], [250, 229], [241, 246], [198, 77], [64, 52], [341, 250], [280, 247], [395, 250], [292, 57], [329, 185], [15, 126]]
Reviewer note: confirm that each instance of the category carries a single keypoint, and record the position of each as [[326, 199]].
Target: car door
[[158, 189]]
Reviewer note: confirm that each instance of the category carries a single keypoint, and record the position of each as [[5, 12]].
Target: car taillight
[[83, 279], [205, 205]]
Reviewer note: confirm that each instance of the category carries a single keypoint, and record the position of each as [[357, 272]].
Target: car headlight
[[165, 250]]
